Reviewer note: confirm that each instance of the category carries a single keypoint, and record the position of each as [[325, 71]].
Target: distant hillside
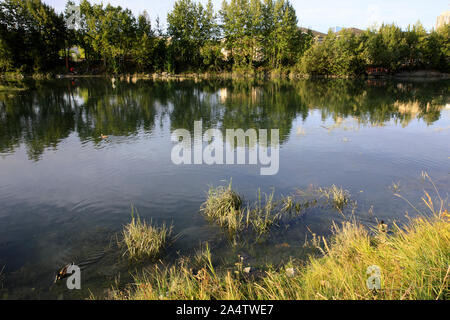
[[353, 30], [314, 32], [321, 34]]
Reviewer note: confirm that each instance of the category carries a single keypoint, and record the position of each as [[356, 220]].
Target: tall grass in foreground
[[142, 241], [414, 264]]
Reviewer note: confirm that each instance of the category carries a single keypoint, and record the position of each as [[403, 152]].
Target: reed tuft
[[144, 241]]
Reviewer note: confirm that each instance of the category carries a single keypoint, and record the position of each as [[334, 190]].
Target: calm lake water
[[65, 192]]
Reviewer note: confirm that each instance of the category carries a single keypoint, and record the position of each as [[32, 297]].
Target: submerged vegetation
[[409, 261], [336, 195], [144, 241], [263, 215], [413, 261], [225, 207]]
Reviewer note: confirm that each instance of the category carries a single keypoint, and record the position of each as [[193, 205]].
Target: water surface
[[65, 192]]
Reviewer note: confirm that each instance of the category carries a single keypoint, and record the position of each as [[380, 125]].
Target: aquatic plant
[[144, 241], [412, 263], [224, 207], [395, 186], [338, 196], [265, 214], [201, 256]]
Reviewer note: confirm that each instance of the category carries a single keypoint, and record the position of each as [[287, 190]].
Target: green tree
[[415, 44], [443, 35], [144, 45], [346, 56], [190, 26], [235, 30], [110, 32], [31, 35], [287, 35]]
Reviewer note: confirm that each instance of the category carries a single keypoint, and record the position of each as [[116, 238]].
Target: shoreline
[[274, 75], [388, 262], [350, 259]]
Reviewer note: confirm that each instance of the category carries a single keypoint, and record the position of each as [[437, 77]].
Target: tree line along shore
[[242, 37]]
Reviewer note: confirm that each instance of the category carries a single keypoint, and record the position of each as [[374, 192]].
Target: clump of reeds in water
[[144, 241], [224, 207], [338, 196], [264, 215]]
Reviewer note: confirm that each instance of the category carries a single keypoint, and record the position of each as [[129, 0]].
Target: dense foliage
[[244, 35], [31, 35], [349, 53]]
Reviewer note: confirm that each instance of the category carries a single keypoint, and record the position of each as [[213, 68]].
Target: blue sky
[[317, 15]]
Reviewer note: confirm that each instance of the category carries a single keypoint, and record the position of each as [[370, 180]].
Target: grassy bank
[[413, 261]]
